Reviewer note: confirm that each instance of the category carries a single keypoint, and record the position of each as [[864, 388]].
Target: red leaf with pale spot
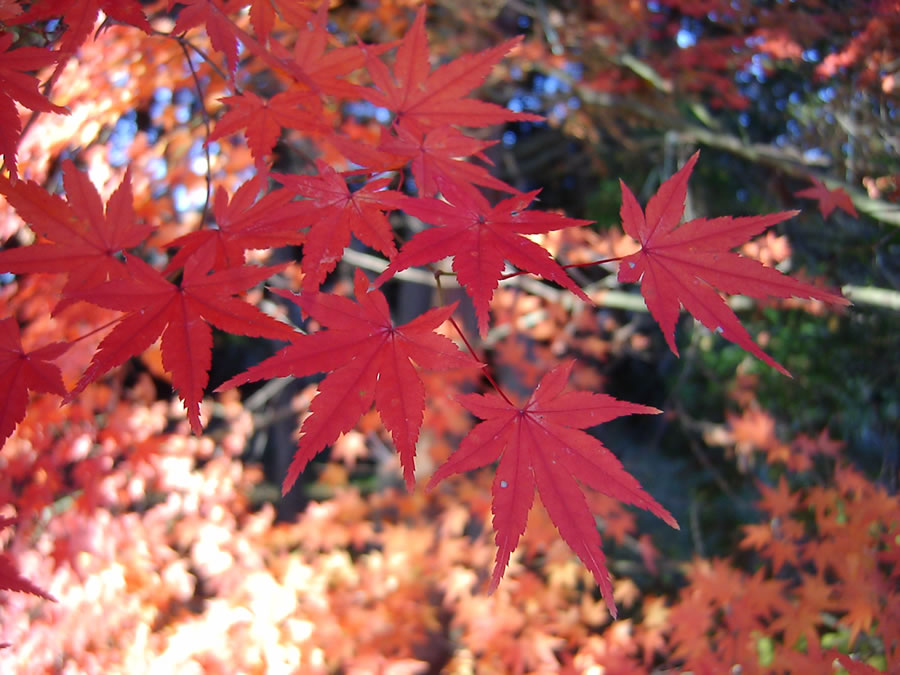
[[540, 446], [852, 667]]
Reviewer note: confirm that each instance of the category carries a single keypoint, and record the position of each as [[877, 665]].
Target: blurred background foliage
[[775, 94]]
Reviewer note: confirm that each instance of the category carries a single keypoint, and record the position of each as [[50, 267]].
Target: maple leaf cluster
[[845, 564], [174, 290], [202, 579]]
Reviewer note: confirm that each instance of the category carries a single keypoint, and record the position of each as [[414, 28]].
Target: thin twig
[[518, 273], [205, 115], [486, 370], [869, 295], [266, 393], [184, 42]]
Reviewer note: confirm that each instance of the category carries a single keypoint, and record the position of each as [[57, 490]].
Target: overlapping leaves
[[368, 360], [541, 445]]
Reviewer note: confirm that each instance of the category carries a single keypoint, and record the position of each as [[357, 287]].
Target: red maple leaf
[[241, 224], [79, 17], [370, 360], [439, 155], [436, 156], [10, 577], [223, 34], [372, 160], [321, 69], [435, 99], [541, 445], [263, 13], [17, 85], [21, 371], [82, 241], [480, 237], [334, 213], [263, 119], [181, 314], [682, 266], [829, 200]]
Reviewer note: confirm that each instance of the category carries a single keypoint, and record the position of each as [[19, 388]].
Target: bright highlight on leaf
[[541, 445], [681, 266]]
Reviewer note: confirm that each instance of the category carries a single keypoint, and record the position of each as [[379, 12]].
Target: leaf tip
[[409, 479], [514, 42], [611, 606], [287, 484], [777, 366], [495, 581], [378, 281], [670, 340], [194, 419]]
